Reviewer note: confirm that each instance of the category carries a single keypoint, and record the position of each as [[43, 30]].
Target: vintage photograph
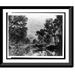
[[35, 34]]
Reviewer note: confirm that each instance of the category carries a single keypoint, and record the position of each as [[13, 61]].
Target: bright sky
[[36, 22]]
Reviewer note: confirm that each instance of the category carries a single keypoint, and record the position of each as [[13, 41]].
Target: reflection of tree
[[52, 33]]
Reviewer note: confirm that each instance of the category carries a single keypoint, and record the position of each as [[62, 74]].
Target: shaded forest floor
[[29, 50]]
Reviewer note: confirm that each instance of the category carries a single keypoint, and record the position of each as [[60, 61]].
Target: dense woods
[[48, 42]]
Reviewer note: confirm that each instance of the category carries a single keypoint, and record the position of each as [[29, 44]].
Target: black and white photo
[[35, 34], [39, 36]]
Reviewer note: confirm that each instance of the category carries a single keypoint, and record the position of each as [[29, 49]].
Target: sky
[[36, 22]]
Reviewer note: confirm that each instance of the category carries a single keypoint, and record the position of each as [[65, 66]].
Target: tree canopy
[[17, 29], [52, 33]]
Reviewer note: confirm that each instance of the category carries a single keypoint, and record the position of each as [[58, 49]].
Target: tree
[[17, 29], [34, 41], [52, 29], [17, 20], [58, 33]]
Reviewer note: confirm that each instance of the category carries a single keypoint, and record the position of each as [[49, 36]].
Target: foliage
[[52, 29], [17, 29], [49, 40]]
